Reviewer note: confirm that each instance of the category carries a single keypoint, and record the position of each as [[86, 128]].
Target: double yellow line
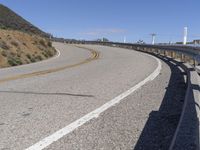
[[94, 56]]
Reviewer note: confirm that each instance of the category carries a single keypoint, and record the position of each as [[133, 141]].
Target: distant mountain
[[11, 20]]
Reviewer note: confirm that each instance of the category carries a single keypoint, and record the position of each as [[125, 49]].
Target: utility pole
[[124, 39], [153, 38], [185, 35]]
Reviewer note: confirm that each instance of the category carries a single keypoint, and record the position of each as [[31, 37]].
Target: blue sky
[[113, 19]]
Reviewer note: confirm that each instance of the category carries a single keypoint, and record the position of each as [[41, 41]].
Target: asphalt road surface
[[39, 99]]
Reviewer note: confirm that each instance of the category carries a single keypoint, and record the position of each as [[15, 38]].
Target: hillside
[[17, 48], [11, 20], [20, 41]]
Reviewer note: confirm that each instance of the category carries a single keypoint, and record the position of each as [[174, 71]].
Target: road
[[39, 99]]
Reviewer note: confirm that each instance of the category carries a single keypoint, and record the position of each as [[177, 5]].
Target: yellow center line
[[94, 56]]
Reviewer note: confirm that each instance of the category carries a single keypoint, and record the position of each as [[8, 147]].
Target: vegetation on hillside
[[17, 48], [20, 41]]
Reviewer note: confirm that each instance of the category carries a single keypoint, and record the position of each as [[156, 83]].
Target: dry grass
[[18, 48]]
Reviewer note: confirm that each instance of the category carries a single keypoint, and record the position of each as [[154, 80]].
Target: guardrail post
[[182, 58], [153, 51], [173, 54], [190, 60], [158, 51], [165, 53], [178, 56], [170, 54], [194, 62]]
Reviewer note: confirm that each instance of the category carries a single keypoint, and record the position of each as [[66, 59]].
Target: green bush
[[18, 61], [31, 58], [14, 61], [3, 27]]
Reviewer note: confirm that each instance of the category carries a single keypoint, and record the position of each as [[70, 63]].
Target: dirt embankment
[[17, 48]]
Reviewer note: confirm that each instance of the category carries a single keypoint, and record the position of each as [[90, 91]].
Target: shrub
[[28, 56], [45, 55], [13, 54], [14, 61], [39, 57], [3, 27], [49, 44], [14, 43], [33, 59], [9, 37], [49, 53], [41, 47], [11, 62], [26, 61], [42, 42], [18, 61], [4, 45], [18, 54], [4, 53]]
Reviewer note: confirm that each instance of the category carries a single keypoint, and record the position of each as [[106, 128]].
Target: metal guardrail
[[191, 53]]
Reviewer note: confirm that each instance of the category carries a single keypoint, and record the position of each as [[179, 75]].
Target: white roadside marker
[[94, 114]]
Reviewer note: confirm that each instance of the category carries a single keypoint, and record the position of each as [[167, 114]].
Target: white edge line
[[94, 114], [57, 55]]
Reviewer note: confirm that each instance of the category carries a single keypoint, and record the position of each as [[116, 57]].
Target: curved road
[[37, 106]]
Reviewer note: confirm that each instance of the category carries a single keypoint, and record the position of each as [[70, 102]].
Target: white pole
[[185, 36], [124, 39], [153, 38]]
